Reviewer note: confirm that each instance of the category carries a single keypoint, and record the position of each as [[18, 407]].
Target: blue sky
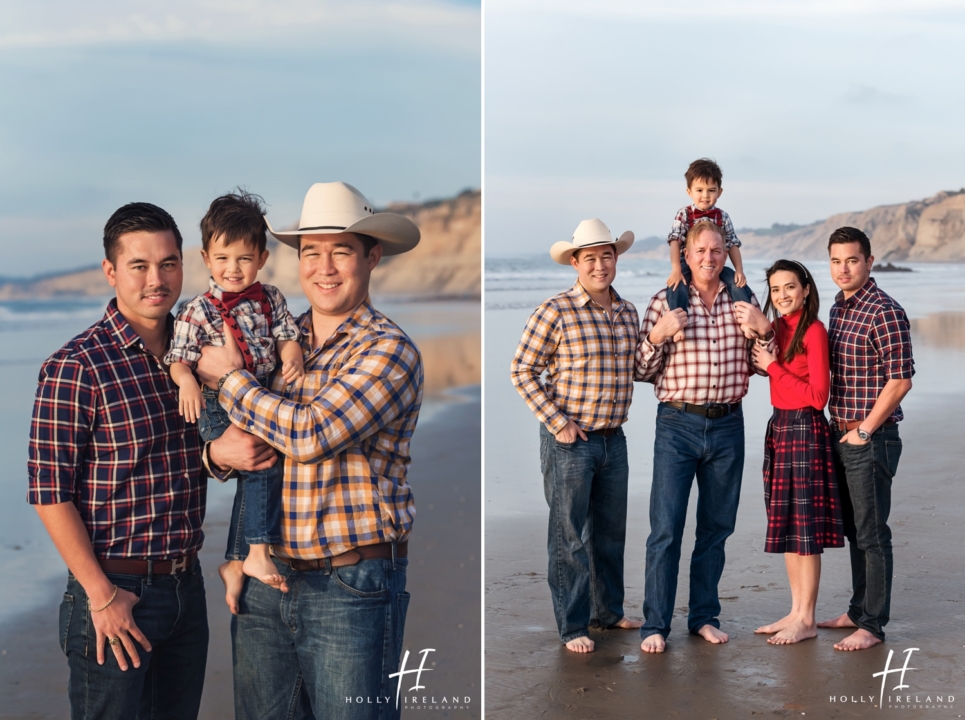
[[112, 101], [595, 109]]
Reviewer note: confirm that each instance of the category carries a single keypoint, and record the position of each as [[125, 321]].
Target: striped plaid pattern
[[710, 365], [106, 435], [870, 340], [587, 354], [199, 323], [687, 216], [344, 430], [800, 486]]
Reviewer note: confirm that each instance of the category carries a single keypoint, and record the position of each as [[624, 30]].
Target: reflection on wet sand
[[944, 330], [450, 361]]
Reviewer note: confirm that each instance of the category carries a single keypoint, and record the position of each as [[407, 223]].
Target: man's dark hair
[[137, 217], [704, 169], [236, 216], [368, 242], [845, 235]]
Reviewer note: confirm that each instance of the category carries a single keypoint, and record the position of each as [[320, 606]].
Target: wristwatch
[[863, 435], [224, 377]]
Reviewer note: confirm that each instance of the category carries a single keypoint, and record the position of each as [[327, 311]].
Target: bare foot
[[653, 643], [841, 621], [774, 627], [627, 623], [233, 578], [748, 333], [858, 640], [678, 336], [712, 634], [259, 565], [793, 633], [580, 645]]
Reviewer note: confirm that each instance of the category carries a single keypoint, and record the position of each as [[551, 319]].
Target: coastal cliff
[[447, 263]]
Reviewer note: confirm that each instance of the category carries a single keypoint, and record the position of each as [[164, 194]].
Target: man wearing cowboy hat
[[583, 339], [328, 646]]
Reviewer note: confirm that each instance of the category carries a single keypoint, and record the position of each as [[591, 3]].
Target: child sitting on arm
[[704, 186], [233, 239]]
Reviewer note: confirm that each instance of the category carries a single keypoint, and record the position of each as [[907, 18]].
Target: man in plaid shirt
[[116, 477], [583, 339], [333, 633], [871, 371], [700, 382]]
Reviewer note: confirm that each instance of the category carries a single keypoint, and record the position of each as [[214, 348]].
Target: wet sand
[[529, 674], [443, 578]]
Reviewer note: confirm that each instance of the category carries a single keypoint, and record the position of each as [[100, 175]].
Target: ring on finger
[[114, 641]]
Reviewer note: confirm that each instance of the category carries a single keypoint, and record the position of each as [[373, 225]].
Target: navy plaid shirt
[[870, 340], [106, 435]]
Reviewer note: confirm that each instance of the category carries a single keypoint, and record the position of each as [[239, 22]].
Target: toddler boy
[[233, 240], [704, 186]]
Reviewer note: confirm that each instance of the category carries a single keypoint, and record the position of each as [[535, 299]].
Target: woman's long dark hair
[[809, 312]]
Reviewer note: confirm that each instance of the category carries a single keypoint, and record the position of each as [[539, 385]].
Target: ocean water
[[31, 330], [933, 296]]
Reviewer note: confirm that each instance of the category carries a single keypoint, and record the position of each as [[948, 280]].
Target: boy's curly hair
[[704, 169]]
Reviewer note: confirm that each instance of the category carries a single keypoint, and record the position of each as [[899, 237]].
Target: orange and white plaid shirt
[[344, 430], [587, 354]]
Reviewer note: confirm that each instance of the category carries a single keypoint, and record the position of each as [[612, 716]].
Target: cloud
[[58, 23], [867, 95]]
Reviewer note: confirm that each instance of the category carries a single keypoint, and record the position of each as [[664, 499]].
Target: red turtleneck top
[[806, 380]]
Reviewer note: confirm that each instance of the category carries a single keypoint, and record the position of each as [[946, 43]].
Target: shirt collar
[[363, 316], [582, 297], [863, 293], [215, 288], [126, 335]]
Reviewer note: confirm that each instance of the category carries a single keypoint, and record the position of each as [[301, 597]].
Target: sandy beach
[[529, 673], [444, 572]]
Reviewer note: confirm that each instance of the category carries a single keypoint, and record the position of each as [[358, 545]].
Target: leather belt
[[126, 566], [712, 410], [842, 426], [605, 432], [351, 557]]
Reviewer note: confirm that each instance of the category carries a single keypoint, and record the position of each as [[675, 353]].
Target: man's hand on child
[[740, 280], [190, 403], [676, 277], [293, 370]]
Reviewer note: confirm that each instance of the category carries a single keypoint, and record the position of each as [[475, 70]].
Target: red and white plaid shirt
[[712, 364]]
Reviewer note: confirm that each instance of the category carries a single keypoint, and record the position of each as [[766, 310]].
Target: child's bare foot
[[653, 643], [841, 621], [775, 626], [793, 633], [748, 333], [580, 645], [627, 623], [233, 578], [712, 634], [858, 640], [678, 336], [259, 565]]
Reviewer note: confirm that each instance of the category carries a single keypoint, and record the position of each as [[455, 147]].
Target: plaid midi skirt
[[800, 486]]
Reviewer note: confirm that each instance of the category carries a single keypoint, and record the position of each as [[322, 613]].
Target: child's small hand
[[293, 369], [190, 403], [676, 277], [739, 279]]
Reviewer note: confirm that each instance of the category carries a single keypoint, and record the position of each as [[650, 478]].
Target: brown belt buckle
[[179, 564]]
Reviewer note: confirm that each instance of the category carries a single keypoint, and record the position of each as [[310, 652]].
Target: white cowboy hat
[[337, 207], [589, 233]]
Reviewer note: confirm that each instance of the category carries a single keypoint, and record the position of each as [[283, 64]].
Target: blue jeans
[[688, 445], [866, 503], [325, 649], [172, 615], [256, 513], [680, 298], [585, 484]]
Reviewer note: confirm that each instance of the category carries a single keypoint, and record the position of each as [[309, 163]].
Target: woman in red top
[[800, 489]]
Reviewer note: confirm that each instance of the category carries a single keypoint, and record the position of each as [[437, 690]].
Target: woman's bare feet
[[858, 640], [712, 634], [627, 623], [793, 633], [841, 621], [653, 643], [774, 627], [233, 578], [580, 645], [260, 566]]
